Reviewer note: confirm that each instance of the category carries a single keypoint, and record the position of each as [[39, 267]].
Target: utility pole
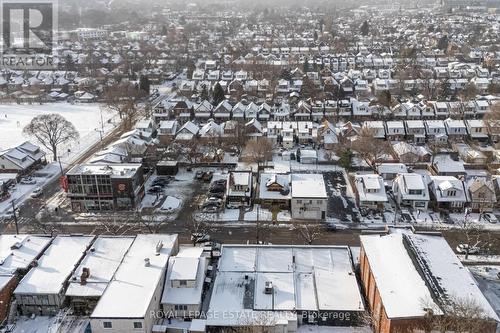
[[15, 216]]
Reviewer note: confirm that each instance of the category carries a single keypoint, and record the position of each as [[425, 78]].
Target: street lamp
[[15, 216]]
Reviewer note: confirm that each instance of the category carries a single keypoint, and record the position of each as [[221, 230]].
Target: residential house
[[477, 129], [395, 130], [183, 293], [447, 193], [456, 129], [410, 190], [275, 191], [481, 193], [309, 198], [239, 188], [21, 159], [415, 131], [370, 191]]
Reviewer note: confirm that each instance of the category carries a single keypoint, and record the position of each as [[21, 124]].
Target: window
[[107, 324], [137, 324]]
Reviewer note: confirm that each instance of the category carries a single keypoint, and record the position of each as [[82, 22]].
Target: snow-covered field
[[85, 117], [13, 117]]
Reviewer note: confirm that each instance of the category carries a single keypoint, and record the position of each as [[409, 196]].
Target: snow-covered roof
[[314, 278], [445, 164], [308, 186], [269, 179], [370, 188], [441, 185], [185, 266], [19, 251], [54, 266], [102, 261], [408, 183], [453, 281], [131, 291], [401, 288], [391, 168]]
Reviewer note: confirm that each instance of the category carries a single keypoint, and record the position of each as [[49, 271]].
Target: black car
[[218, 195], [155, 189], [217, 189]]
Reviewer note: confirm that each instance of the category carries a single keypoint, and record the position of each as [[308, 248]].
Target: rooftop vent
[[268, 288]]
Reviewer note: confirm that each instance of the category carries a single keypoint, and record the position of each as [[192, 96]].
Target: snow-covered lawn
[[85, 117], [13, 117]]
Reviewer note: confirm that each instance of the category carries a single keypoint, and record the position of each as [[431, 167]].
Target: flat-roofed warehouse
[[133, 296], [96, 271], [41, 291], [285, 286], [17, 255], [407, 275]]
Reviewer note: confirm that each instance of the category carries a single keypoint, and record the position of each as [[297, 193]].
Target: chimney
[[84, 276], [147, 262], [159, 246]]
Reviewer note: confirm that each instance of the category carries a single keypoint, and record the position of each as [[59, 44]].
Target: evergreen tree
[[345, 160], [365, 28], [145, 84], [218, 94]]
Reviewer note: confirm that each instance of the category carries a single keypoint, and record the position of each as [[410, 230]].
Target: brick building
[[408, 277]]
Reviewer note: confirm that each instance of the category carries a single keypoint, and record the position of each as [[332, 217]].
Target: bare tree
[[123, 99], [110, 225], [198, 230], [369, 148], [458, 315], [309, 233], [259, 151], [50, 130], [193, 151], [492, 122], [472, 232]]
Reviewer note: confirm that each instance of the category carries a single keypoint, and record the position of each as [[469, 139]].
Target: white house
[[410, 189], [447, 193], [309, 198], [182, 296], [370, 191]]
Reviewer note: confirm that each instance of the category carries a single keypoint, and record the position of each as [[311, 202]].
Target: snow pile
[[170, 204]]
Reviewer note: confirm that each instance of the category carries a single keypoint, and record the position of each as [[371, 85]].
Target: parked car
[[155, 189], [199, 175], [213, 200], [217, 189], [490, 218], [28, 181], [219, 195], [37, 192], [207, 176], [160, 182], [219, 182], [462, 248], [199, 237]]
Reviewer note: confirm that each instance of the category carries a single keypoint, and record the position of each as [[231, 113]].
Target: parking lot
[[341, 207]]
